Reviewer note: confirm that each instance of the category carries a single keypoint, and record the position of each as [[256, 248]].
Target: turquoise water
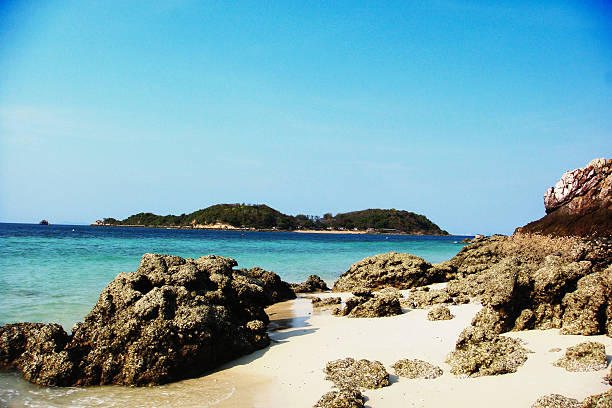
[[55, 273]]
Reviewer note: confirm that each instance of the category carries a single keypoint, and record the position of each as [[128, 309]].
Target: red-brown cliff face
[[579, 204]]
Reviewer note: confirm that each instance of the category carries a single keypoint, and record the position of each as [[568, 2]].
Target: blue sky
[[463, 111]]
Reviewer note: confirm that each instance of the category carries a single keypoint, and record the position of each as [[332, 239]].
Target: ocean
[[55, 273]]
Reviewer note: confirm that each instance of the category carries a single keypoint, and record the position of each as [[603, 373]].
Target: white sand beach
[[290, 372]]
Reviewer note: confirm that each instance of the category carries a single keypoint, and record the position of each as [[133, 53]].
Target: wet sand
[[289, 373]]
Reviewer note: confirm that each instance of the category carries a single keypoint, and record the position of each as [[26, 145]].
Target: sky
[[463, 111]]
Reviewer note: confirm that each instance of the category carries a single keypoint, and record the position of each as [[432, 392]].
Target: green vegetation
[[264, 217], [384, 221]]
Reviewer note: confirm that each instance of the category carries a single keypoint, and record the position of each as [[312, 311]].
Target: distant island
[[262, 217]]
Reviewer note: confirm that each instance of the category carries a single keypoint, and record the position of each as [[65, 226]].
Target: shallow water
[[15, 392], [55, 274]]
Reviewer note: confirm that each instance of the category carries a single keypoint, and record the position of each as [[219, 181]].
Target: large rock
[[579, 204], [532, 281], [173, 318], [402, 271]]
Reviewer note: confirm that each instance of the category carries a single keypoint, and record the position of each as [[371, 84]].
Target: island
[[261, 217]]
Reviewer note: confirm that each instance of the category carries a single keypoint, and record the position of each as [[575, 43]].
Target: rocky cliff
[[579, 204]]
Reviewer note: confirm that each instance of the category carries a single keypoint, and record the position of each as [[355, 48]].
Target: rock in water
[[313, 284], [36, 349], [416, 369], [350, 374], [346, 398], [171, 319], [580, 204], [587, 356], [402, 271]]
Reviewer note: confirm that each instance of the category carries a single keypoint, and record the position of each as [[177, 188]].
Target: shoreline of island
[[300, 231]]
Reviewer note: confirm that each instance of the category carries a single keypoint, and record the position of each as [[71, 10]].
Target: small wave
[[223, 398]]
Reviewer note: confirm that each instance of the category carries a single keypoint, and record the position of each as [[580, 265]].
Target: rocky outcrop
[[345, 398], [532, 282], [313, 284], [173, 318], [579, 204], [416, 369], [587, 356], [402, 271], [371, 305], [527, 282], [350, 374], [440, 313], [587, 310]]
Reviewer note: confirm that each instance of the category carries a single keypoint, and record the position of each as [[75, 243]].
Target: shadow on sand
[[284, 324]]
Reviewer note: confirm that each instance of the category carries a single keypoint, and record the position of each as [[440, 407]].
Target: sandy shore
[[293, 366], [329, 232], [289, 373]]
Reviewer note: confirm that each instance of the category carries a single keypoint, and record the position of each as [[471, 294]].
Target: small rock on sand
[[416, 369], [348, 373], [346, 398], [378, 305], [440, 313], [556, 401], [587, 356], [492, 355], [603, 400], [325, 303]]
